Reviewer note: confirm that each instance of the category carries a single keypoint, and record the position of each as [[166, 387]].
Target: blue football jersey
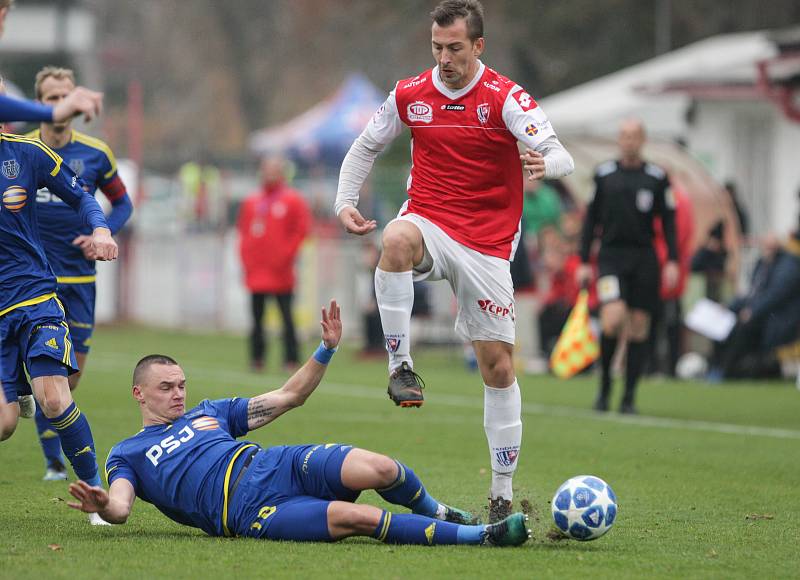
[[91, 160], [180, 468], [26, 166]]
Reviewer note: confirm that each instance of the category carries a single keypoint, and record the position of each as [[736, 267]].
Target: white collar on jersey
[[457, 94]]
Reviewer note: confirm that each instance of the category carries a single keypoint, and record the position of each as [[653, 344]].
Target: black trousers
[[258, 339]]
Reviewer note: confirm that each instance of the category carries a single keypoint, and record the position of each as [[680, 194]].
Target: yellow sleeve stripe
[[31, 302], [35, 134], [52, 154], [100, 145], [225, 497], [76, 279]]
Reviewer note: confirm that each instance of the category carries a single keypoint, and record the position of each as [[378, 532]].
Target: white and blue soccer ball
[[584, 507]]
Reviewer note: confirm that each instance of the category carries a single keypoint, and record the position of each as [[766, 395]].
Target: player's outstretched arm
[[80, 101], [114, 505], [269, 406]]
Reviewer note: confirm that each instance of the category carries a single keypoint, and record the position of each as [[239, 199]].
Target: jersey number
[[44, 196], [169, 444]]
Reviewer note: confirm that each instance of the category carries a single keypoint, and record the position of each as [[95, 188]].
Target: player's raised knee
[[400, 240]]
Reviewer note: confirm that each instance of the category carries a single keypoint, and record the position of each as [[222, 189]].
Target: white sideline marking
[[112, 362]]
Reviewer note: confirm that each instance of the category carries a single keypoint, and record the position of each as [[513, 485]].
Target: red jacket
[[684, 233], [564, 287], [272, 224]]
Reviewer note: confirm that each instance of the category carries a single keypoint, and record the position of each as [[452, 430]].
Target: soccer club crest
[[77, 166], [506, 456], [10, 169], [483, 113], [392, 343]]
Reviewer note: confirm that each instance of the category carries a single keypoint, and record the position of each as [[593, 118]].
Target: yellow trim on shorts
[[76, 279], [67, 345], [225, 498], [29, 302]]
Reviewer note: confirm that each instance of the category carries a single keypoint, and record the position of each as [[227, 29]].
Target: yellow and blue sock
[[51, 444], [407, 490], [77, 443], [424, 531]]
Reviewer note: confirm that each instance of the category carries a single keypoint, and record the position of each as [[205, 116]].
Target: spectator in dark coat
[[767, 318]]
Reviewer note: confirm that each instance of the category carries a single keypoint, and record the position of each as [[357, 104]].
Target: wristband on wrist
[[323, 354]]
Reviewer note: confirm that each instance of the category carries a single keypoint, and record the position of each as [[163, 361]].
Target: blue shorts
[[34, 338], [286, 491], [78, 301]]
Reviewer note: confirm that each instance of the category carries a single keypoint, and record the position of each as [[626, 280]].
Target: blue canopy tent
[[324, 133]]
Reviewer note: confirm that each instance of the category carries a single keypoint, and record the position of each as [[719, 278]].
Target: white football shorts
[[482, 284]]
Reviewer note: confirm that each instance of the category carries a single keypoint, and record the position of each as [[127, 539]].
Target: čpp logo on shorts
[[493, 309]]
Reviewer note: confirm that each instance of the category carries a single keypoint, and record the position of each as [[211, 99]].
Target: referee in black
[[629, 194]]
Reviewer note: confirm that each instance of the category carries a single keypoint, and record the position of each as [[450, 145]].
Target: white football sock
[[502, 421], [395, 295]]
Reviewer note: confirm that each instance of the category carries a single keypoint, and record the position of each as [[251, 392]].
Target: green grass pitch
[[707, 478]]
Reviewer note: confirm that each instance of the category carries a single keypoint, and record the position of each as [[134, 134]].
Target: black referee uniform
[[625, 203]]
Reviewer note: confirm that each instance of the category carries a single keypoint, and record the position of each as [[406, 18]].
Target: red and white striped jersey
[[466, 175]]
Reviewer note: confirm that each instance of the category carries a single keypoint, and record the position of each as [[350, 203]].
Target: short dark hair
[[147, 362], [448, 11]]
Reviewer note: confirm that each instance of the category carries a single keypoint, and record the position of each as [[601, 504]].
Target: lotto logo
[[525, 101], [497, 310]]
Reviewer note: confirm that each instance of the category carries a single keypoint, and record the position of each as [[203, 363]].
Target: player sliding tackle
[[191, 467]]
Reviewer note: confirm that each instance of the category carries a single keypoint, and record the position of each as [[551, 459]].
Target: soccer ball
[[584, 507], [691, 365]]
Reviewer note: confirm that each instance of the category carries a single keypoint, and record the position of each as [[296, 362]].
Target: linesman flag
[[577, 346]]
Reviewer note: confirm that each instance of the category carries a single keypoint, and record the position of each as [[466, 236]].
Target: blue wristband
[[323, 355]]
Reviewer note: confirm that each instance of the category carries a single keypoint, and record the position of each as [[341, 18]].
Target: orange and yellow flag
[[577, 346]]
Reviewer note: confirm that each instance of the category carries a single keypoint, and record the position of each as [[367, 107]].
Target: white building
[[734, 99]]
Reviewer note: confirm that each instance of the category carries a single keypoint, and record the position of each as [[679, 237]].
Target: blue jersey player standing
[[67, 242], [34, 336], [190, 465], [83, 101]]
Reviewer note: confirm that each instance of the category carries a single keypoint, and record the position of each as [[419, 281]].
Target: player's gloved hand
[[90, 499], [533, 163], [86, 244], [331, 325], [79, 101], [105, 247], [583, 275], [671, 274], [355, 223]]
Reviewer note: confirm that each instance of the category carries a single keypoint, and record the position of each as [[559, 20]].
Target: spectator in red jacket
[[272, 224], [667, 323]]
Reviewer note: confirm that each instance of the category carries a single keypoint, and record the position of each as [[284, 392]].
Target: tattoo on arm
[[257, 410]]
